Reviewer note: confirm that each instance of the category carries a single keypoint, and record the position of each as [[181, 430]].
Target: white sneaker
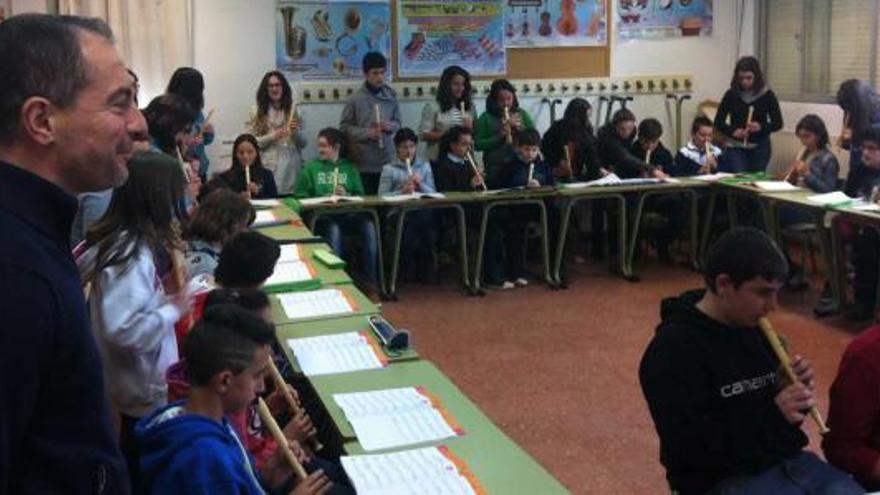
[[520, 282], [506, 285]]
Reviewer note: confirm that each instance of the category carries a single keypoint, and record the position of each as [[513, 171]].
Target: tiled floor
[[557, 370]]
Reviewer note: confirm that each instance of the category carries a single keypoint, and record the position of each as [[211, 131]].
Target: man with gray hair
[[67, 122]]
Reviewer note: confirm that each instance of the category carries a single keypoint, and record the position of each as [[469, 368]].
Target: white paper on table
[[865, 206], [290, 272], [423, 471], [264, 216], [318, 200], [713, 177], [384, 419], [311, 304], [610, 179], [265, 203], [289, 253], [399, 198], [331, 354], [831, 198], [775, 185]]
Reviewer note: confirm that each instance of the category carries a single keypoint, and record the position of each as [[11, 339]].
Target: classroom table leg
[[707, 227], [625, 269], [838, 282], [395, 253], [545, 243], [398, 244], [481, 243], [565, 207], [484, 222], [828, 255], [634, 237], [732, 214], [462, 244], [694, 248]]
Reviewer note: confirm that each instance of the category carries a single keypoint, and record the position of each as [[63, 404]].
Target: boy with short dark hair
[[370, 118], [616, 141], [247, 260], [650, 131], [526, 168], [867, 241], [190, 446], [669, 207], [728, 423], [692, 158]]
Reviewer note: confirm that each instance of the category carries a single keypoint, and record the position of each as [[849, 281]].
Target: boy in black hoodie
[[669, 206], [728, 423]]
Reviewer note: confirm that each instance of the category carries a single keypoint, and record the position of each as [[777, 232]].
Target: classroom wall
[[234, 43], [24, 6]]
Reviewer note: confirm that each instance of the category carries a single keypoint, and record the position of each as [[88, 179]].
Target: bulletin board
[[538, 63]]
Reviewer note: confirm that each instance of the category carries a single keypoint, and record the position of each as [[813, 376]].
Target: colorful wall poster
[[326, 40], [663, 18], [552, 23], [432, 34]]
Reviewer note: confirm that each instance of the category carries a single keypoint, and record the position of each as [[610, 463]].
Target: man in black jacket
[[728, 423], [67, 122]]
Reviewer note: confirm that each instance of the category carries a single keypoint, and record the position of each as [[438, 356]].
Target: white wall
[[234, 43], [23, 6]]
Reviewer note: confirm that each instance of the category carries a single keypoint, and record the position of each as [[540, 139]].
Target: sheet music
[[712, 177], [863, 205], [331, 354], [410, 472], [290, 272], [385, 419], [608, 180], [831, 198], [775, 185], [264, 216], [399, 198], [265, 203], [289, 253], [311, 304], [318, 200]]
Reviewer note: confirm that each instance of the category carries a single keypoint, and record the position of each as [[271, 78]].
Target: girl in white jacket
[[136, 299]]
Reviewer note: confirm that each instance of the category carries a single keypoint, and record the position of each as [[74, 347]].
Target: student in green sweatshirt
[[317, 179]]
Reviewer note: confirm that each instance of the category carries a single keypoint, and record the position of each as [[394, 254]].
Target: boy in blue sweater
[[190, 446]]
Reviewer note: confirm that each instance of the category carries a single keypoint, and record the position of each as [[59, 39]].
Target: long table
[[499, 465]]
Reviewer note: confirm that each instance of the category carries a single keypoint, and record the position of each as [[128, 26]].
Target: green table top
[[499, 464], [331, 326], [364, 306], [295, 229]]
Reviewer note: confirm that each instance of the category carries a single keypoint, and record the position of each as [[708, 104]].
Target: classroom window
[[808, 47]]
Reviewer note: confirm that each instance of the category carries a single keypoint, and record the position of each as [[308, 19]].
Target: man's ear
[[221, 381], [723, 284], [38, 119]]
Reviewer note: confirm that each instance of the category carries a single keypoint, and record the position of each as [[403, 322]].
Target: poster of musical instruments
[[326, 40], [552, 23], [648, 19], [438, 33]]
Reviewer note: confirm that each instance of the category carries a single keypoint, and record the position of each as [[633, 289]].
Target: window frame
[[802, 96]]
